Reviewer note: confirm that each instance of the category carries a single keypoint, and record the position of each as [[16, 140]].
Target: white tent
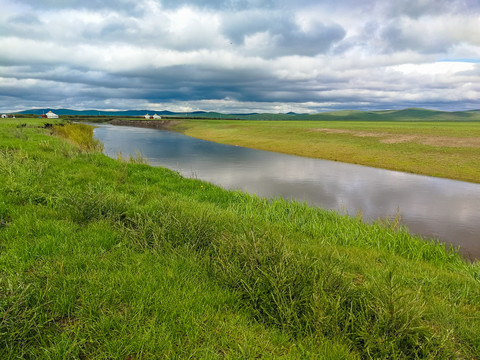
[[51, 115], [146, 116], [157, 116], [4, 116]]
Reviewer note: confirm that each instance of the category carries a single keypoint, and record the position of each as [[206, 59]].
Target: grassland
[[442, 149], [105, 259]]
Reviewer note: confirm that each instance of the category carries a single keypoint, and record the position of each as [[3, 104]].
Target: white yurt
[[52, 115], [156, 116], [4, 116]]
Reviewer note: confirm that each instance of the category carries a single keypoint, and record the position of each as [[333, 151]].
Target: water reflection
[[433, 207]]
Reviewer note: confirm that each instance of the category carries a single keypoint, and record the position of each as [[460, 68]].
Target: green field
[[106, 259], [443, 149]]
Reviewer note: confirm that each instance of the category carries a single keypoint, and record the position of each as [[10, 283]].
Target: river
[[448, 210]]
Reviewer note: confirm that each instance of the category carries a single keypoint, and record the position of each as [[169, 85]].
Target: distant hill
[[95, 112], [409, 114]]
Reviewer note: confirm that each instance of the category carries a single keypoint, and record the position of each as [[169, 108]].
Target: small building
[[51, 115], [156, 117], [146, 116], [4, 116]]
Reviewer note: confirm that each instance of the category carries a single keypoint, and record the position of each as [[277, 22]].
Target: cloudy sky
[[240, 55]]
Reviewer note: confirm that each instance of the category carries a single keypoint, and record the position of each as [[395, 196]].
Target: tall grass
[[305, 296], [79, 134]]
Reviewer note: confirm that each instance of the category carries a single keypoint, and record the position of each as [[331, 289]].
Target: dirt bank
[[152, 124]]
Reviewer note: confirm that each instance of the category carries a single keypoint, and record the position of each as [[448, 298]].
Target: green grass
[[115, 259], [442, 149]]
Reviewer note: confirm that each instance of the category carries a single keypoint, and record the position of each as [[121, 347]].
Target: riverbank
[[101, 258], [151, 124], [442, 149]]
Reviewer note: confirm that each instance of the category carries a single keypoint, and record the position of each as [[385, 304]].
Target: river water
[[439, 208]]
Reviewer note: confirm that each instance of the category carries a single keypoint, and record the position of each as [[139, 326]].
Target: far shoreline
[[444, 150]]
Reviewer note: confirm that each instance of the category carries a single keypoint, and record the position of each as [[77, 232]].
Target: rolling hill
[[409, 114]]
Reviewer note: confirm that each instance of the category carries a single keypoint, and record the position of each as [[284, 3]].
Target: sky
[[240, 56]]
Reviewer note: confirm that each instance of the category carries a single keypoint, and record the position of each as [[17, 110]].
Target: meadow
[[435, 148], [107, 259]]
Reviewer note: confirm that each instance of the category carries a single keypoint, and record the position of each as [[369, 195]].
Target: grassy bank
[[443, 149], [106, 259]]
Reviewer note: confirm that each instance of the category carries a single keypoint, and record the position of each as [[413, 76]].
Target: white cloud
[[307, 54], [437, 68]]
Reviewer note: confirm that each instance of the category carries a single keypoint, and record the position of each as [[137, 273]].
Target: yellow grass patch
[[387, 138]]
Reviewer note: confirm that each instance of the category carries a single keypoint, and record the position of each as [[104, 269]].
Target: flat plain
[[443, 149]]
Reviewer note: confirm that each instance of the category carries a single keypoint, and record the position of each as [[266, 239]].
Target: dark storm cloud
[[416, 9], [398, 38], [222, 5], [69, 75], [286, 36], [116, 5], [194, 82]]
